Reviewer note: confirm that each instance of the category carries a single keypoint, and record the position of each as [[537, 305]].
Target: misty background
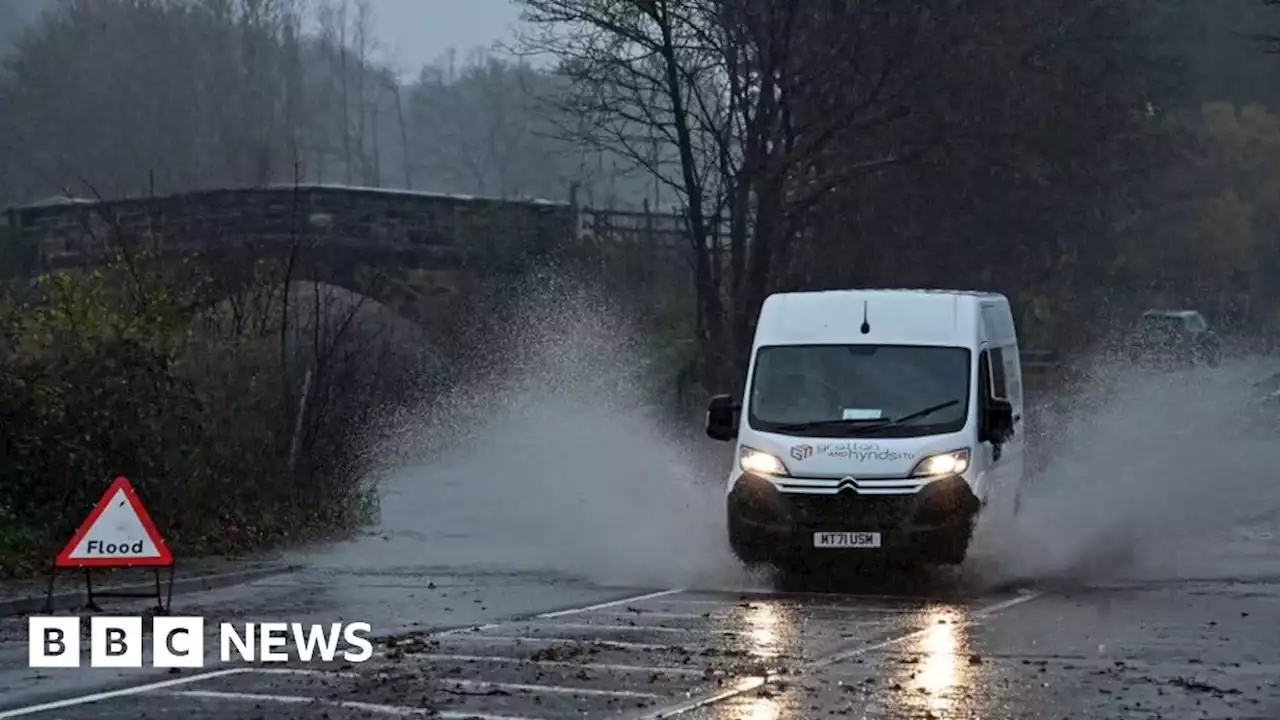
[[419, 94], [1089, 160], [1107, 139]]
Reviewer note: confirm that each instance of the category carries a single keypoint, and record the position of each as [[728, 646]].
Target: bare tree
[[478, 125], [747, 101], [350, 91], [406, 148], [365, 109]]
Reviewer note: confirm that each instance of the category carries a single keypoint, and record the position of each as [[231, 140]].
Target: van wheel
[[746, 546]]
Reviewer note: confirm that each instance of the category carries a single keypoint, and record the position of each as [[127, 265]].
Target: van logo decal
[[800, 452], [862, 452]]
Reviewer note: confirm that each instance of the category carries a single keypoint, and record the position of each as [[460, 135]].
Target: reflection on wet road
[[687, 650], [1205, 651], [646, 656], [941, 673], [1141, 651]]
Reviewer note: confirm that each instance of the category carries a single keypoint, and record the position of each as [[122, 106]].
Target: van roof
[[903, 291], [895, 317]]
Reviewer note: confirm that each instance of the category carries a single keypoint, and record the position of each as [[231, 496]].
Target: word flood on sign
[[97, 547], [179, 642]]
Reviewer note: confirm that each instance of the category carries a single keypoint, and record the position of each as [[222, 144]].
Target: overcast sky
[[411, 32], [416, 32]]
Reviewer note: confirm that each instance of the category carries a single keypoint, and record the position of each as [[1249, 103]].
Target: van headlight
[[756, 461], [948, 463]]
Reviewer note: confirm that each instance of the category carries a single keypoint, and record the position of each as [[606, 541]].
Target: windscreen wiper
[[906, 418], [821, 424]]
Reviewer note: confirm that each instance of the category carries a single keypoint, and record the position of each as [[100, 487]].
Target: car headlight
[[755, 461], [948, 463]]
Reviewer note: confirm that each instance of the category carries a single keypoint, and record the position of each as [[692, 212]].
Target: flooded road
[[516, 582], [1199, 648]]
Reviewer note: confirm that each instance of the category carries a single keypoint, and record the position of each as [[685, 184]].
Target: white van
[[874, 420]]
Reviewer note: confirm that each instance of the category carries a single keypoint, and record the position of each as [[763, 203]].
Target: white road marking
[[793, 601], [550, 689], [479, 638], [178, 682], [304, 671], [499, 659], [469, 629], [976, 615], [743, 685], [751, 683], [560, 613], [396, 710], [652, 614], [122, 692], [611, 603], [613, 628]]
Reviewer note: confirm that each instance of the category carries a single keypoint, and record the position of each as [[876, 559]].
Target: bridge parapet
[[386, 223]]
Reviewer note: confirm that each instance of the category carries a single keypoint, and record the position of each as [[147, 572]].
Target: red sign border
[[120, 483]]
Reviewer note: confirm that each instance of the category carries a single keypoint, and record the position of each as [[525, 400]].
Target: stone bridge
[[424, 248], [422, 255], [418, 253]]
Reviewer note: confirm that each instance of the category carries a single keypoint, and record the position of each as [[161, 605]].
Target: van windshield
[[851, 386]]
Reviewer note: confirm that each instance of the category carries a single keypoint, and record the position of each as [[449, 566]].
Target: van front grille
[[849, 510]]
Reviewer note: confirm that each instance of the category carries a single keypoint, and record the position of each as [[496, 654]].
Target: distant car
[[1176, 338]]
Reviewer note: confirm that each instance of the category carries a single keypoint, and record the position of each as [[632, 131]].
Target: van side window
[[984, 393], [984, 374], [1013, 375], [999, 389]]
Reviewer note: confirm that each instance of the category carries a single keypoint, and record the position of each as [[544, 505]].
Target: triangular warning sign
[[118, 532]]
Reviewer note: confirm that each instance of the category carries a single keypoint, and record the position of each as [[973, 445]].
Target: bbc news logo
[[179, 642]]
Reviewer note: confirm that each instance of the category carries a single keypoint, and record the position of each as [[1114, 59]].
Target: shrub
[[237, 435]]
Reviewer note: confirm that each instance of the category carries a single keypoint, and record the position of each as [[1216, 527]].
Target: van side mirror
[[999, 420], [722, 421]]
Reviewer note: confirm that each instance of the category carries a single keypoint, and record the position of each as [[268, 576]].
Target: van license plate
[[846, 540]]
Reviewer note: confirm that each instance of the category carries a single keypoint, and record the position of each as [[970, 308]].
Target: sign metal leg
[[168, 601], [88, 587], [164, 600], [48, 598]]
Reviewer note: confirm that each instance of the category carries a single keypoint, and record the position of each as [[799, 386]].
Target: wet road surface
[[390, 599], [1200, 649]]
